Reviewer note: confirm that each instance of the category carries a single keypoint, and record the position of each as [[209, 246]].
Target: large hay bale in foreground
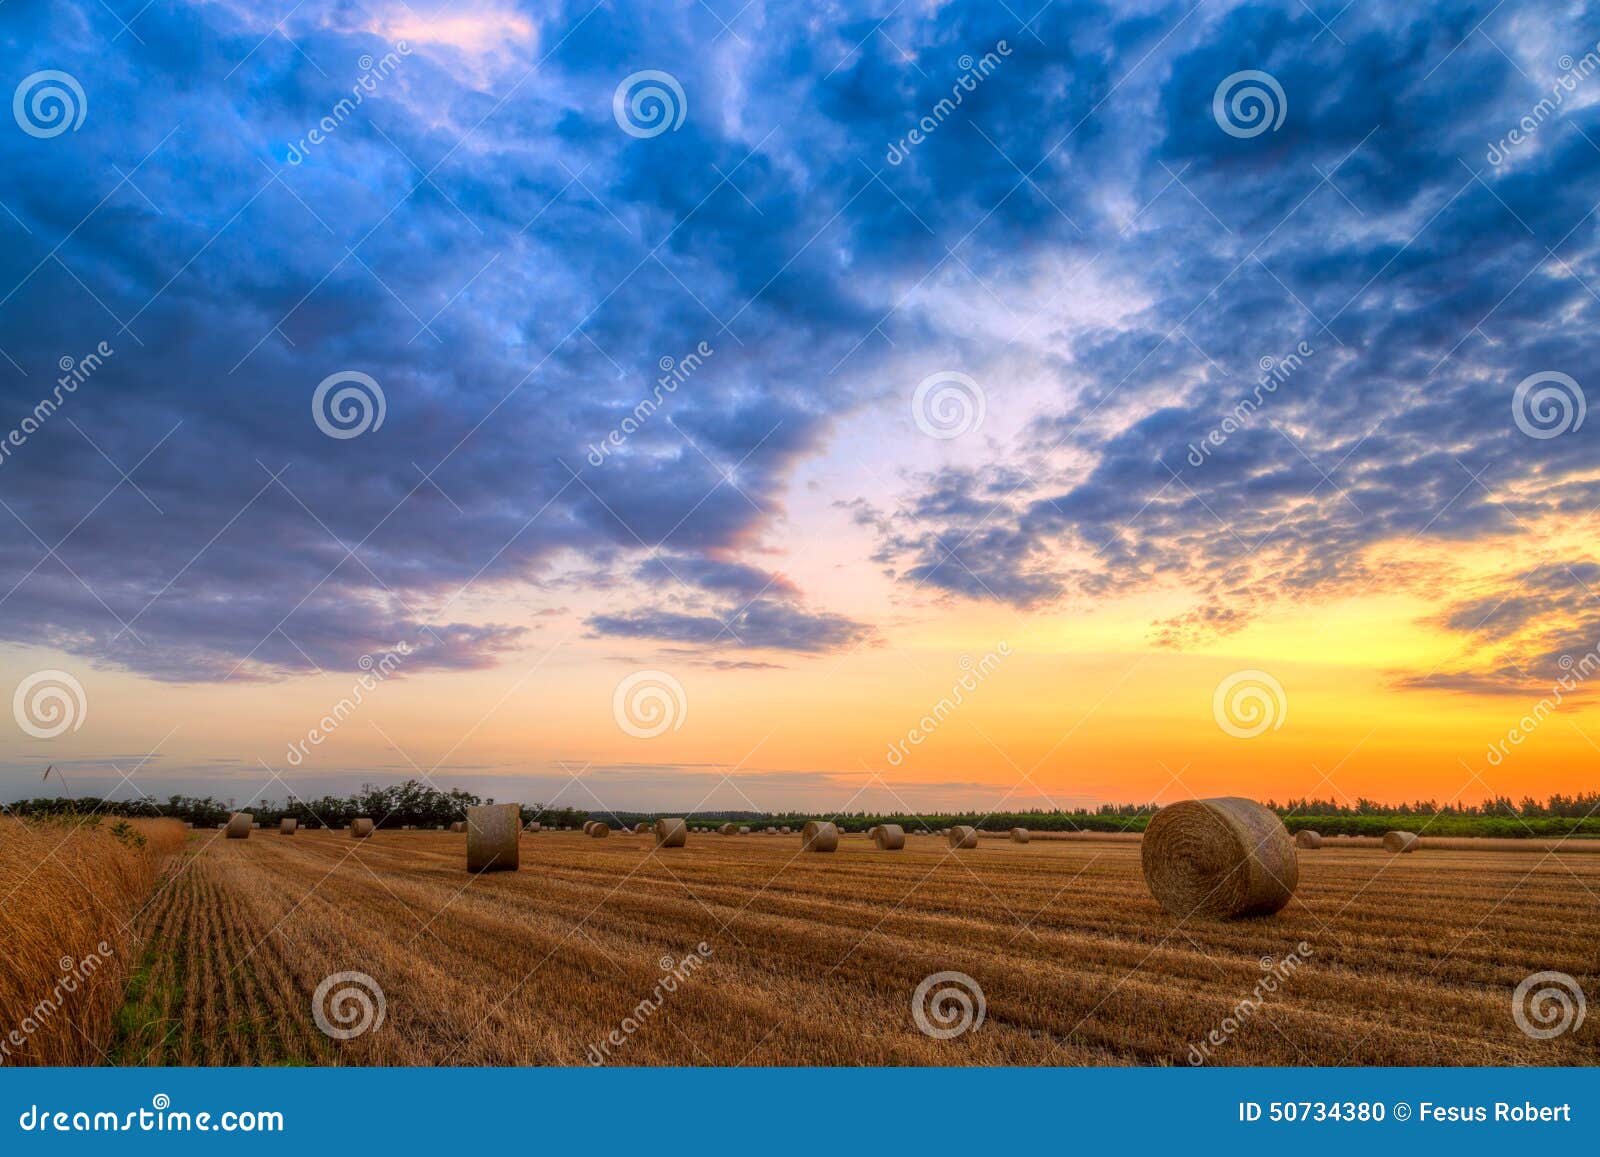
[[1306, 838], [1219, 858], [819, 836], [671, 833], [1399, 841], [240, 825], [1019, 835], [458, 826], [493, 831], [889, 837], [599, 831], [286, 827], [729, 829], [360, 828], [963, 836]]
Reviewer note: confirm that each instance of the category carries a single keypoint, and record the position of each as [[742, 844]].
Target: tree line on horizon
[[417, 804]]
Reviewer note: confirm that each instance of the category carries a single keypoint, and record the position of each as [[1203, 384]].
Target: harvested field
[[1412, 959]]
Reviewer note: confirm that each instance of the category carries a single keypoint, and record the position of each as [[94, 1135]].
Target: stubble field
[[814, 959]]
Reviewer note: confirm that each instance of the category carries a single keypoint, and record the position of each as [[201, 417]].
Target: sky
[[821, 407]]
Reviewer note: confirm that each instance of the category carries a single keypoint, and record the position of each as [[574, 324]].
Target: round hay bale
[[1219, 858], [240, 825], [492, 837], [1306, 838], [458, 826], [671, 833], [889, 837], [598, 830], [641, 829], [963, 836], [785, 831], [286, 827], [771, 831], [744, 831], [729, 829], [360, 828], [872, 832], [1399, 841], [1019, 835], [819, 836], [533, 826]]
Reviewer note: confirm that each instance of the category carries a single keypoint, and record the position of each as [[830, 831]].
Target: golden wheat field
[[814, 959]]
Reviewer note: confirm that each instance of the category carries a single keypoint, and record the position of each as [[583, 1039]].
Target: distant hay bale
[[599, 831], [492, 837], [286, 827], [744, 831], [641, 829], [963, 836], [671, 833], [819, 836], [1019, 835], [872, 832], [240, 824], [360, 828], [889, 837], [729, 829], [1307, 838], [534, 827], [771, 831], [458, 826], [1219, 858], [1399, 841]]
